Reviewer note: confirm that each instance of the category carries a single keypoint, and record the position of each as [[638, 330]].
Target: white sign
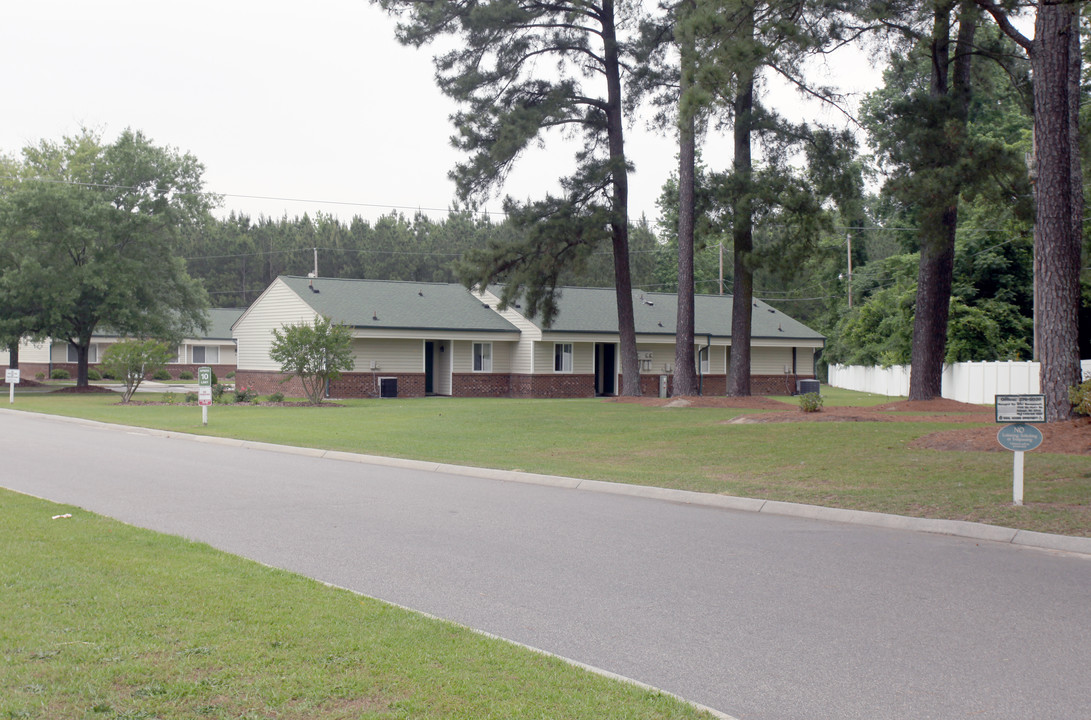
[[204, 396], [11, 376], [1020, 408]]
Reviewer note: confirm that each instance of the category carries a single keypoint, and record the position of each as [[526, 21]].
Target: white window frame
[[562, 355], [482, 357], [206, 350], [702, 360], [73, 353]]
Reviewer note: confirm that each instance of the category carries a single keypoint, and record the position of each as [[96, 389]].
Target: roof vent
[[660, 324], [772, 310], [421, 293], [780, 329], [374, 316], [485, 305]]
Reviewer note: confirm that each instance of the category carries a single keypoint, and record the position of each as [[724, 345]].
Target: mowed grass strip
[[102, 620], [856, 465]]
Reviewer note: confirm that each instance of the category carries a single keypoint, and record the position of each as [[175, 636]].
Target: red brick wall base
[[552, 386], [480, 385], [411, 385]]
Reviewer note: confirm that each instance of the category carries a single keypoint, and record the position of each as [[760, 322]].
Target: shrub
[[231, 375], [185, 375], [215, 382], [276, 397], [130, 360], [59, 374], [191, 397], [1080, 397], [170, 398], [217, 390], [245, 394], [39, 376], [107, 375], [810, 402], [93, 374], [161, 375]]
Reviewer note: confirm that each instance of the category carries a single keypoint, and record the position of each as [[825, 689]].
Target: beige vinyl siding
[[389, 355], [662, 355], [28, 353], [770, 360], [522, 353], [464, 355], [277, 306]]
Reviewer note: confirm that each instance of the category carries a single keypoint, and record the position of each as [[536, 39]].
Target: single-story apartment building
[[215, 348], [416, 339]]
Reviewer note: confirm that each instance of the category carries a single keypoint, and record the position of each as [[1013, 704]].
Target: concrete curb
[[956, 528]]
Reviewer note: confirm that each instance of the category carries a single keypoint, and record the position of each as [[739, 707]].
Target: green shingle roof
[[594, 310], [397, 305], [220, 321]]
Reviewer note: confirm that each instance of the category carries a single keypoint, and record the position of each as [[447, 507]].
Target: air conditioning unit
[[807, 386], [388, 387]]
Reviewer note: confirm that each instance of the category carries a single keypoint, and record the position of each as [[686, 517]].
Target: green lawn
[[104, 621], [867, 466]]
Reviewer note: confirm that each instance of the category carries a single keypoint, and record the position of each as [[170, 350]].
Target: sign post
[[1019, 437], [204, 391], [12, 378]]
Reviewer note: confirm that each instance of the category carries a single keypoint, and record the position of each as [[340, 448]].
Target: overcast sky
[[285, 100]]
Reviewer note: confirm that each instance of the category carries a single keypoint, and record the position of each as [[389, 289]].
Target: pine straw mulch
[[1071, 437]]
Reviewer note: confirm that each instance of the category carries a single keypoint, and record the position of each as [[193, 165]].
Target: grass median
[[857, 465], [102, 620]]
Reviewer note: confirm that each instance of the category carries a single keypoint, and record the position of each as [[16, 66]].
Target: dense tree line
[[235, 258]]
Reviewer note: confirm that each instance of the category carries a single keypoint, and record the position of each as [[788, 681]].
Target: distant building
[[418, 339]]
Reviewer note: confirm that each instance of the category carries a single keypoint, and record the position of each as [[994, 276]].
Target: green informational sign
[[204, 377], [1019, 437]]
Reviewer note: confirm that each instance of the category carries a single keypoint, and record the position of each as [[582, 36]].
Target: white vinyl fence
[[973, 382]]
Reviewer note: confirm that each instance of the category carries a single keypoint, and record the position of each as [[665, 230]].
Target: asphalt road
[[758, 616]]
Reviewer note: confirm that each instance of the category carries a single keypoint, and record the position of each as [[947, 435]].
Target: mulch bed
[[1071, 437]]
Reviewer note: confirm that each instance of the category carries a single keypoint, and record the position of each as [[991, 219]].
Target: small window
[[206, 354], [92, 353], [482, 357], [702, 360], [562, 357]]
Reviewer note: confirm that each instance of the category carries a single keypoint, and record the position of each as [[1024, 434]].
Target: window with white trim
[[482, 357], [562, 357], [702, 360], [92, 353], [206, 354]]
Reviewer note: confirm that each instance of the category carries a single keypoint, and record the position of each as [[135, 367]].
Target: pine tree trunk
[[935, 274], [685, 371], [738, 381], [630, 379], [1057, 250]]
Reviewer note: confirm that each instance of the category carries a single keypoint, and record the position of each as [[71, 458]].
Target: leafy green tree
[[315, 353], [92, 229], [520, 69], [130, 361]]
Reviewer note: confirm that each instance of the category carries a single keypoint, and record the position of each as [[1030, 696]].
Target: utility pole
[[721, 267], [848, 241]]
